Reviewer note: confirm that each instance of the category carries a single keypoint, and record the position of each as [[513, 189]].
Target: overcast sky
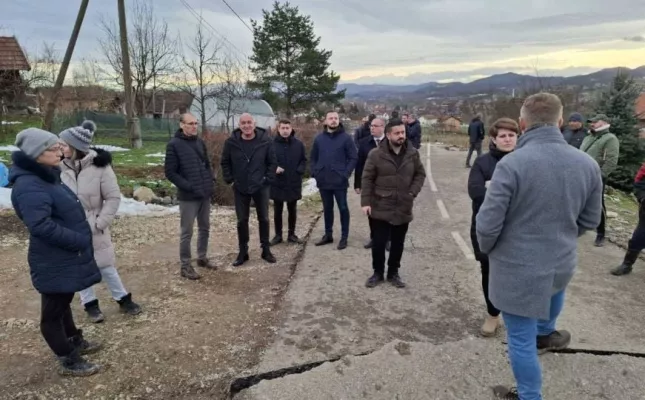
[[392, 41]]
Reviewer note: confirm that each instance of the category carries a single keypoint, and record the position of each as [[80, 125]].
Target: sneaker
[[504, 393], [277, 239], [374, 280], [75, 365], [342, 245], [558, 340], [82, 345], [128, 306], [268, 256], [326, 239], [188, 272], [94, 312], [396, 281], [206, 263], [490, 326]]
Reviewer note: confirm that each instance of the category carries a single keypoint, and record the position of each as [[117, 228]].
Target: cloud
[[393, 39]]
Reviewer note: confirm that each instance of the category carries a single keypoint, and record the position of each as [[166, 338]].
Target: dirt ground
[[192, 337]]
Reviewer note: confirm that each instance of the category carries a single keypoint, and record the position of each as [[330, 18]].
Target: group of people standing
[[66, 194]]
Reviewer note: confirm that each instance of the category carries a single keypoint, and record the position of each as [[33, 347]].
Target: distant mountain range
[[495, 84]]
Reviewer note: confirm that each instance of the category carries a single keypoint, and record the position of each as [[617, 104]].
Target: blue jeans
[[522, 347], [327, 197]]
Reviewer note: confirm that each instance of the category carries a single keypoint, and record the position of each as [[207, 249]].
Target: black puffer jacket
[[290, 154], [481, 172], [187, 166], [249, 172]]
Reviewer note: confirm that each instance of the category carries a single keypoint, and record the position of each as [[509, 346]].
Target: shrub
[[214, 145]]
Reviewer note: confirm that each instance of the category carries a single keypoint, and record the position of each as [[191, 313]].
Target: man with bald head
[[249, 164], [188, 167]]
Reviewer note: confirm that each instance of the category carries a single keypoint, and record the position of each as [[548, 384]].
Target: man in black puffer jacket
[[188, 168], [249, 164]]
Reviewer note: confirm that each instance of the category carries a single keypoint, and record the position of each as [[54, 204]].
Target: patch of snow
[[153, 164], [128, 206], [10, 147], [309, 188], [10, 122], [110, 148], [156, 155]]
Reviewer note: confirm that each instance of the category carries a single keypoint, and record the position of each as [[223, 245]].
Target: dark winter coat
[[364, 148], [575, 137], [251, 172], [290, 154], [60, 256], [480, 173], [333, 159], [414, 133], [476, 130], [390, 188], [187, 166], [361, 133], [639, 184]]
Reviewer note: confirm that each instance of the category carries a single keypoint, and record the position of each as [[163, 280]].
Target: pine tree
[[618, 104], [289, 69]]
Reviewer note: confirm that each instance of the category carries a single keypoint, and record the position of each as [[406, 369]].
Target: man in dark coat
[[363, 131], [392, 179], [476, 133], [249, 164], [287, 187], [575, 132], [188, 167], [367, 144], [413, 130], [333, 159]]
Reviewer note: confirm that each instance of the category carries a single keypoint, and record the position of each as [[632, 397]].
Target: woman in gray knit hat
[[88, 173]]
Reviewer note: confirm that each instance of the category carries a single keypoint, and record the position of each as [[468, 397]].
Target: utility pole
[[51, 105], [132, 122]]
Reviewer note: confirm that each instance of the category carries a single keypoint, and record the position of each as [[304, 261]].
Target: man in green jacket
[[604, 147]]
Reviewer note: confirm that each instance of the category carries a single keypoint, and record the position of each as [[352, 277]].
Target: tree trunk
[[132, 124], [51, 106]]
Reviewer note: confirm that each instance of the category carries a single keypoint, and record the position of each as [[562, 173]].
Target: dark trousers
[[242, 211], [328, 197], [603, 217], [477, 146], [56, 322], [637, 242], [396, 234], [370, 221], [278, 207], [485, 266]]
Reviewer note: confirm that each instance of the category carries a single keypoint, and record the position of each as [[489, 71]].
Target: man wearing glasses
[[188, 167]]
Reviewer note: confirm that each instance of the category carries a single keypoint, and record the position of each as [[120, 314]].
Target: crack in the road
[[246, 382], [599, 352]]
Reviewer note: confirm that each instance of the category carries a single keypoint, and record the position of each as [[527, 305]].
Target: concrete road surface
[[328, 314]]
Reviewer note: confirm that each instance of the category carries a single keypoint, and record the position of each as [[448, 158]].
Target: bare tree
[[44, 63], [200, 57], [152, 51], [88, 72], [232, 91]]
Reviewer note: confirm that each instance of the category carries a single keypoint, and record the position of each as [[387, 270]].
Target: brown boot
[[491, 324], [188, 272]]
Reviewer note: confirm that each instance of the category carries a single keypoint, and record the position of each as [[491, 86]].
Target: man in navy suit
[[377, 130]]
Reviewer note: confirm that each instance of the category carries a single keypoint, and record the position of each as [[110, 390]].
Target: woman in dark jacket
[[504, 134], [61, 257], [287, 187]]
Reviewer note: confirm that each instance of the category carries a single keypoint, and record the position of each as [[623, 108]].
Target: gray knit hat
[[79, 137], [33, 141]]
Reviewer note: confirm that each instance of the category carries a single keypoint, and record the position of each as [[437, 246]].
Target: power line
[[214, 31], [238, 16]]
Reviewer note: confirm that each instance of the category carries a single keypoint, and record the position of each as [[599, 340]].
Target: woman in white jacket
[[88, 172]]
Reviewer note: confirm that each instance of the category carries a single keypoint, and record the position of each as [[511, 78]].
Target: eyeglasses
[[376, 126], [190, 123]]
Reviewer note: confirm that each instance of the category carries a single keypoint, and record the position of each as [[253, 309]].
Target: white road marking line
[[433, 186], [442, 208], [463, 246]]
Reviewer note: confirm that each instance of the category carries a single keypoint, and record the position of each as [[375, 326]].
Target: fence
[[113, 126]]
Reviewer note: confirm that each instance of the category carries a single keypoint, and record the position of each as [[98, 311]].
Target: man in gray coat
[[541, 198]]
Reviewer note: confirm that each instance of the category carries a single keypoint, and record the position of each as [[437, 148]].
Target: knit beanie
[[79, 137], [33, 141], [576, 117]]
